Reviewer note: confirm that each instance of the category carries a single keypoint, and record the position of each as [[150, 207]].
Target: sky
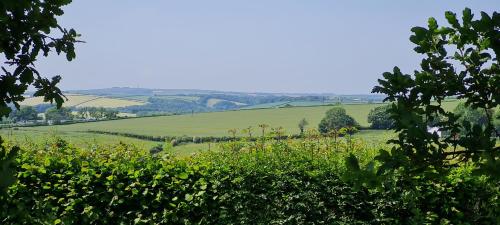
[[306, 46]]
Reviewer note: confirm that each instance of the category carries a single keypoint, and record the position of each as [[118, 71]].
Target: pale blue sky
[[241, 45]]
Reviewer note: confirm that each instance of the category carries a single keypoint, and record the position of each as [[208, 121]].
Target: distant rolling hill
[[74, 100]]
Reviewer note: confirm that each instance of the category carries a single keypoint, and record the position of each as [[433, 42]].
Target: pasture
[[218, 123], [87, 101]]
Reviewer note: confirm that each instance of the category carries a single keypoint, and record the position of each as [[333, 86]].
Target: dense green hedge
[[282, 183], [189, 139]]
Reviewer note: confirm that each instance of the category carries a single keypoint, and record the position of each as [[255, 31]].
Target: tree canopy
[[58, 115], [25, 113], [460, 60], [380, 118], [29, 29], [467, 114], [335, 119]]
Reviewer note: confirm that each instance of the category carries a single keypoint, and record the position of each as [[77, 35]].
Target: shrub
[[284, 184], [380, 118], [470, 115], [336, 118]]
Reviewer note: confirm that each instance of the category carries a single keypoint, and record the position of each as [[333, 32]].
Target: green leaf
[[432, 24], [467, 16], [27, 76], [183, 176], [452, 19], [188, 197]]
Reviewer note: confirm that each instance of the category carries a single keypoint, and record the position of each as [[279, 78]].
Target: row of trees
[[29, 113], [380, 117]]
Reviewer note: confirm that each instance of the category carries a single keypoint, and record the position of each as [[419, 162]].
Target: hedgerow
[[271, 182]]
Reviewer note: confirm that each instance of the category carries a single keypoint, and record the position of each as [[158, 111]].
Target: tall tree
[[460, 60], [29, 29]]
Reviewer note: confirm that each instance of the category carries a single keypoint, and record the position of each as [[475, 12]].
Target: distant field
[[218, 123], [211, 102], [178, 97], [86, 101]]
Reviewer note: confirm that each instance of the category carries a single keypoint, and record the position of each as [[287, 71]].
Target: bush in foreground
[[284, 182]]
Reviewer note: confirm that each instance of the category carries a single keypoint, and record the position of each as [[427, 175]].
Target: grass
[[79, 139], [218, 123], [87, 101]]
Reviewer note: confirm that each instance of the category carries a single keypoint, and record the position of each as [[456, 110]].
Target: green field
[[200, 124], [25, 138], [218, 123], [87, 101]]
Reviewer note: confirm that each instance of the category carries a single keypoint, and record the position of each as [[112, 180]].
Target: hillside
[[75, 100]]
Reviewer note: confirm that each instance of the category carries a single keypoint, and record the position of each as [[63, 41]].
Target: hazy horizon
[[339, 47]]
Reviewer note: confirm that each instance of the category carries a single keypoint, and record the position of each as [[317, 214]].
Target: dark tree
[[460, 60], [380, 118], [467, 114], [25, 113], [27, 30], [58, 115], [335, 119]]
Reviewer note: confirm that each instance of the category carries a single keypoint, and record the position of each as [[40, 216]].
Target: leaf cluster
[[27, 30], [460, 61]]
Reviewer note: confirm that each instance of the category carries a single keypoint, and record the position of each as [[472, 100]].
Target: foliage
[[471, 115], [7, 167], [25, 113], [497, 120], [302, 125], [335, 119], [156, 105], [25, 28], [380, 118], [98, 113], [285, 182], [461, 60], [58, 115]]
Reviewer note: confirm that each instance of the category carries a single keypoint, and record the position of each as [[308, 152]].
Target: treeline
[[257, 99], [380, 117], [159, 104], [53, 115], [177, 140]]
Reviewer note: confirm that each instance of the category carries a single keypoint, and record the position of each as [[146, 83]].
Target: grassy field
[[87, 101], [201, 124], [218, 123], [88, 140], [214, 124]]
